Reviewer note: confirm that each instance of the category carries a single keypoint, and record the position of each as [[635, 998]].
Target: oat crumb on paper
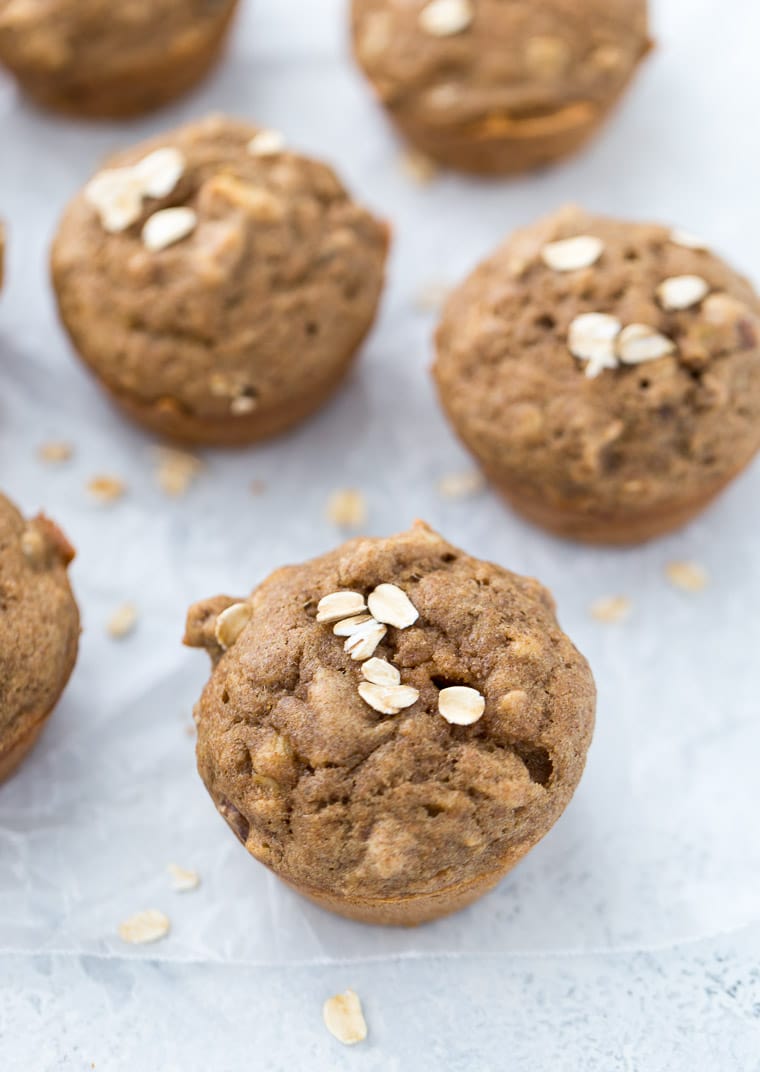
[[431, 296], [145, 927], [688, 576], [106, 489], [55, 453], [611, 609], [347, 508], [344, 1018], [183, 880], [258, 487], [176, 470], [417, 167], [461, 485], [123, 621]]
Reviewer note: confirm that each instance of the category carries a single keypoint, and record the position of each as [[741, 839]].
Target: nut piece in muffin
[[217, 284], [499, 86], [111, 60], [392, 726], [605, 374], [39, 629]]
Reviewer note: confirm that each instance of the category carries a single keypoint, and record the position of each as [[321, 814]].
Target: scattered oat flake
[[362, 643], [258, 487], [55, 453], [381, 672], [686, 239], [418, 167], [183, 881], [347, 508], [431, 297], [340, 605], [266, 143], [461, 485], [571, 254], [159, 172], [638, 343], [145, 927], [176, 470], [591, 338], [392, 606], [611, 609], [388, 699], [348, 626], [123, 621], [106, 488], [682, 292], [444, 18], [344, 1018], [231, 623], [688, 576], [167, 227], [461, 705]]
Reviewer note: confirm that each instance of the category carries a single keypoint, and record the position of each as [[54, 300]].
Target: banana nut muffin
[[605, 374], [499, 86], [217, 284], [392, 726], [39, 629], [111, 60]]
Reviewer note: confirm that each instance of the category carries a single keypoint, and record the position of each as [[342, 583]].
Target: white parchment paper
[[658, 846]]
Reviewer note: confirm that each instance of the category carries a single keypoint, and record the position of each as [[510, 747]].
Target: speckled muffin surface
[[605, 374], [217, 284], [103, 59], [404, 801], [39, 629], [499, 86]]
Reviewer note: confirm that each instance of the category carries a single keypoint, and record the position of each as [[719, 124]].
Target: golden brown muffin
[[39, 629], [218, 285], [392, 726], [499, 86], [102, 59], [605, 374]]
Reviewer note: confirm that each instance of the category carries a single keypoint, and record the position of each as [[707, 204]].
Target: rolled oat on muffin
[[605, 374], [392, 726], [217, 284]]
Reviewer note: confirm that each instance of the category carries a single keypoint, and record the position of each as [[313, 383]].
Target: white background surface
[[629, 939]]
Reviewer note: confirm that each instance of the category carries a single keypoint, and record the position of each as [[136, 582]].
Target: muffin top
[[58, 35], [403, 758], [39, 621], [620, 367], [214, 268], [450, 62]]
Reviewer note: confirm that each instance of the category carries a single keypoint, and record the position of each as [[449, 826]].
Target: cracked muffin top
[[453, 62], [609, 363], [39, 621], [390, 719], [213, 271]]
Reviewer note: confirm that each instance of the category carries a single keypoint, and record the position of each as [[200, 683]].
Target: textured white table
[[630, 938]]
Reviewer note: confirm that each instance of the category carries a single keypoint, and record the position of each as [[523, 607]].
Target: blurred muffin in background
[[499, 86], [111, 60]]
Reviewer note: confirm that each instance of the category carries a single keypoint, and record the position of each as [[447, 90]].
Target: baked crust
[[84, 59], [518, 86], [246, 324], [39, 629], [638, 449], [397, 818]]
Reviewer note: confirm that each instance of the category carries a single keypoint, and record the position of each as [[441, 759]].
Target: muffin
[[39, 629], [104, 60], [605, 374], [499, 86], [217, 284], [392, 726]]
